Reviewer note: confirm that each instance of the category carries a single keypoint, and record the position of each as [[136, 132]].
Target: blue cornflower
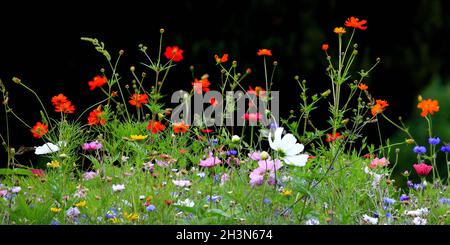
[[434, 141], [213, 198], [55, 222], [151, 208], [232, 153], [404, 197], [420, 150], [409, 184], [267, 201], [111, 214], [418, 187], [375, 215], [388, 200], [214, 141], [445, 148], [444, 200], [388, 215], [273, 125]]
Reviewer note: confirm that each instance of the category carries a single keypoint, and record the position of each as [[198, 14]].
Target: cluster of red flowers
[[96, 117], [428, 107], [202, 84], [379, 107], [39, 130], [264, 52], [138, 99], [62, 104], [155, 126], [331, 137], [180, 127], [258, 91], [222, 59], [174, 53], [97, 82]]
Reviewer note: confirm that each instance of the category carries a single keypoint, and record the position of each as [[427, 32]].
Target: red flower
[[379, 107], [97, 116], [428, 107], [38, 172], [258, 91], [174, 53], [155, 126], [325, 47], [62, 104], [266, 52], [213, 102], [98, 81], [422, 169], [168, 202], [201, 85], [252, 117], [180, 127], [355, 23], [363, 86], [138, 99], [39, 130], [222, 59], [331, 138], [207, 130]]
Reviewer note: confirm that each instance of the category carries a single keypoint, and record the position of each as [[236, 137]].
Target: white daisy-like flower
[[418, 212], [46, 148], [118, 187], [370, 220], [288, 148], [187, 203], [419, 221]]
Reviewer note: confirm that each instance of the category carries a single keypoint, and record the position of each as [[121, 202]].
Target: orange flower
[[222, 59], [213, 102], [331, 138], [98, 81], [362, 86], [379, 107], [39, 130], [97, 116], [267, 52], [201, 85], [325, 47], [355, 23], [174, 53], [258, 91], [180, 127], [138, 99], [339, 30], [62, 104], [428, 107], [155, 126]]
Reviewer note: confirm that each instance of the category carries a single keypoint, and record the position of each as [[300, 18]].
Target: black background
[[40, 43]]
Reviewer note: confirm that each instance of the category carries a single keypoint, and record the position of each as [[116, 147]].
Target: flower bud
[[326, 93], [409, 141], [264, 155], [235, 139]]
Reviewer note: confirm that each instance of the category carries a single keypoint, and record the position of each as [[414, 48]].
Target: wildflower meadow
[[220, 153]]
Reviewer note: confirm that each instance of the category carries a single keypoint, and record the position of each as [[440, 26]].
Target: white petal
[[276, 143], [298, 160], [46, 148], [294, 150], [288, 141]]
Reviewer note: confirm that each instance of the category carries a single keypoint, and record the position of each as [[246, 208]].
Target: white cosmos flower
[[46, 148], [288, 148]]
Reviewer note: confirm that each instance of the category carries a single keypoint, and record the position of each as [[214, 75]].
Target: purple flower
[[94, 145], [434, 141], [232, 153], [150, 208], [409, 184], [225, 177], [211, 161], [213, 198], [265, 167], [444, 200], [388, 201], [267, 201], [256, 156], [162, 163], [233, 160], [418, 187], [420, 150], [54, 222], [90, 175], [273, 125], [111, 214], [404, 197], [388, 215], [73, 212], [445, 148]]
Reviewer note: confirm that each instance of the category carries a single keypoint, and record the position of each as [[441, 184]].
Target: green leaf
[[218, 212], [18, 171]]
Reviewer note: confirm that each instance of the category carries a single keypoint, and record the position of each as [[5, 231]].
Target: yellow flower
[[339, 30], [409, 141], [54, 164], [114, 220], [80, 204], [131, 216], [55, 210], [138, 137], [286, 193]]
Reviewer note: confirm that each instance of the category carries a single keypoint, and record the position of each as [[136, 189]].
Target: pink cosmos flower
[[182, 183], [38, 172], [422, 169], [211, 161], [377, 162], [3, 193], [162, 164], [92, 146], [225, 177], [265, 167], [256, 156]]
